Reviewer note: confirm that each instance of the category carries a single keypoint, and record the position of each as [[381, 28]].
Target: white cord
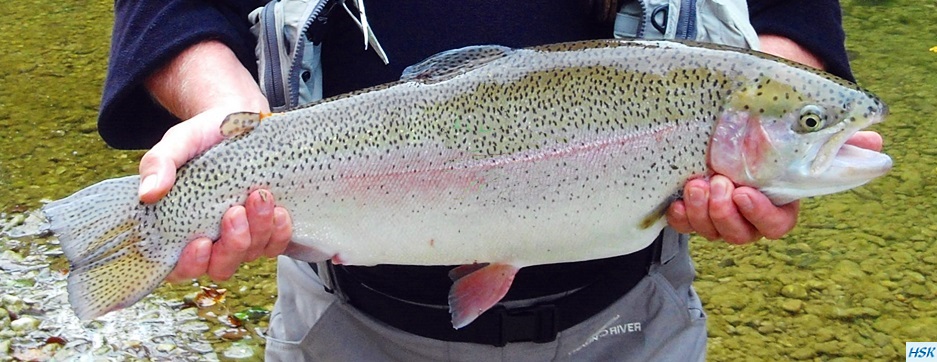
[[369, 37]]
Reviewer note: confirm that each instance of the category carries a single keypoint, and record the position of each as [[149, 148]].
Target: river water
[[854, 280]]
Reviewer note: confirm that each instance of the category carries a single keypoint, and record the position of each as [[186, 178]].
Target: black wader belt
[[498, 326]]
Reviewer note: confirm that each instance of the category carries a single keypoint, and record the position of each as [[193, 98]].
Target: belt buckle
[[536, 324]]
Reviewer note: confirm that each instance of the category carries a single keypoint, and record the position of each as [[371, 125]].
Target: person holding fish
[[179, 68]]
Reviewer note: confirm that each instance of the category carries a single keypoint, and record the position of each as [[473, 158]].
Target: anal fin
[[477, 291]]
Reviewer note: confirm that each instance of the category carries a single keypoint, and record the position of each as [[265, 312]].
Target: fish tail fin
[[112, 244]]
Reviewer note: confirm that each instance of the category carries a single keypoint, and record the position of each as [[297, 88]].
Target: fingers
[[771, 221], [866, 139], [676, 217], [231, 248], [283, 232], [157, 175], [260, 215], [193, 262], [247, 232], [270, 226], [180, 143], [697, 195], [717, 210], [725, 216]]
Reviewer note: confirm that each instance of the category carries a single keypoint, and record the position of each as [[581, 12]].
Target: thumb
[[181, 143]]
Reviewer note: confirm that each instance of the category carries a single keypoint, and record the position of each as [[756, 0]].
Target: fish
[[491, 158]]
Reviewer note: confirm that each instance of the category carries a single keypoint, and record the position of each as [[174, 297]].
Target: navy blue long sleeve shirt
[[147, 34]]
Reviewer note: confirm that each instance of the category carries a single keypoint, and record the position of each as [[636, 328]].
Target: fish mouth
[[846, 165], [858, 164]]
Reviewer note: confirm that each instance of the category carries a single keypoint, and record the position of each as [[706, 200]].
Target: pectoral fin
[[475, 291], [236, 124]]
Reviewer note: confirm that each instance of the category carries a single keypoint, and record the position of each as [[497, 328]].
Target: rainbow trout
[[491, 158]]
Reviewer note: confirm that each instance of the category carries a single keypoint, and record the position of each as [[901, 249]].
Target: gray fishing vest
[[288, 49]]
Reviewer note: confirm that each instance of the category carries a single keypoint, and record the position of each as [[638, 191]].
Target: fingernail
[[264, 195], [744, 202], [204, 253], [239, 224], [279, 220], [696, 196], [148, 184], [718, 188]]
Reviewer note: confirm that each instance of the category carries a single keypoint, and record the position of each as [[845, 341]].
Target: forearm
[[815, 25], [788, 49], [204, 76]]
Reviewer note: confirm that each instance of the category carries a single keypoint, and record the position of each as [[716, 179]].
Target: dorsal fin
[[236, 124], [448, 64]]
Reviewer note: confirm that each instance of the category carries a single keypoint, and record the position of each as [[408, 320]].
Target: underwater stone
[[792, 305], [796, 291], [24, 324]]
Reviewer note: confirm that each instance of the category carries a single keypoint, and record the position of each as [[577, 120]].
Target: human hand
[[718, 210], [247, 232]]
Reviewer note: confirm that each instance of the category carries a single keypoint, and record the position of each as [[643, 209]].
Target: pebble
[[25, 323], [4, 318], [767, 327], [847, 272], [917, 290], [804, 353], [194, 327], [861, 312], [200, 347], [792, 305], [238, 351], [795, 291], [824, 335], [914, 276]]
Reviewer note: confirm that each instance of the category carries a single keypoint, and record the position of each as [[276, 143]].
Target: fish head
[[785, 134]]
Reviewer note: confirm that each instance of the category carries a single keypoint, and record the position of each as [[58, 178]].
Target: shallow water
[[855, 280]]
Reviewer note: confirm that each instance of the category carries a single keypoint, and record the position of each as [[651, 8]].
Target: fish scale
[[500, 157]]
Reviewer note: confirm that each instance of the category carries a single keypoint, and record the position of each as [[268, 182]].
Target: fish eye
[[811, 119]]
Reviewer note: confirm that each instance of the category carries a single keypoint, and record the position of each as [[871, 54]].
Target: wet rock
[[923, 305], [902, 257], [881, 339], [870, 266], [804, 353], [24, 324], [873, 303], [830, 347], [914, 276], [861, 312], [824, 335], [767, 327], [12, 303], [815, 285], [4, 318], [792, 305], [200, 347], [194, 327], [847, 272], [238, 351], [795, 291], [916, 290]]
